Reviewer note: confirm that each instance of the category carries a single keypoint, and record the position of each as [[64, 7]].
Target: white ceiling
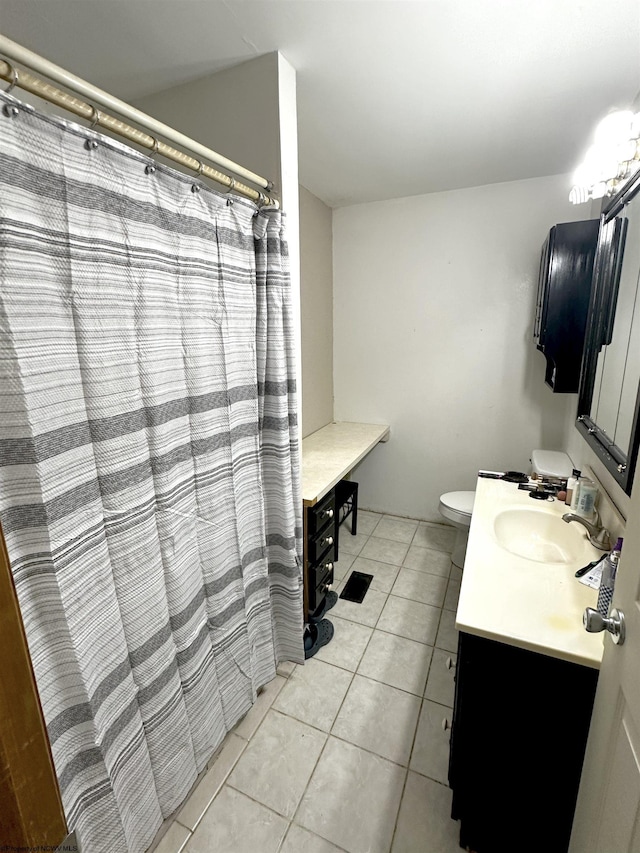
[[395, 97]]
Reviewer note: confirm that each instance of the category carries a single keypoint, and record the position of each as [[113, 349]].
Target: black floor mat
[[356, 587]]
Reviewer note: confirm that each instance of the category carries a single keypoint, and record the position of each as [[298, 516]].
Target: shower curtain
[[149, 484]]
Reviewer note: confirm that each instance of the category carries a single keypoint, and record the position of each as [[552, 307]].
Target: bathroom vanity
[[526, 674]]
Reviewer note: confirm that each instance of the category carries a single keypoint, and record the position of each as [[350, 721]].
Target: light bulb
[[599, 190], [615, 127], [588, 172], [581, 176], [626, 150], [579, 195], [600, 163]]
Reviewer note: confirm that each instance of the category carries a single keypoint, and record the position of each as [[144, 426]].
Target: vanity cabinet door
[[519, 733]]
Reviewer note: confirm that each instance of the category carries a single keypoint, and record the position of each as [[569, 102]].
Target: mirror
[[610, 379]]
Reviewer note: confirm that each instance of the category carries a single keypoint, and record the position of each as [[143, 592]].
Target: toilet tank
[[551, 463]]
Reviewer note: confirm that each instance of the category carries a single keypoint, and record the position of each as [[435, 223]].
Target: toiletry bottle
[[587, 494], [576, 493], [572, 484], [608, 579]]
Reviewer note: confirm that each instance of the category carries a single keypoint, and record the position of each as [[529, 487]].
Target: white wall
[[433, 318], [287, 113], [235, 112], [316, 290]]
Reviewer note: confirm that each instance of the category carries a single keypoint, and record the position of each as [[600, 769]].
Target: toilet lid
[[459, 501]]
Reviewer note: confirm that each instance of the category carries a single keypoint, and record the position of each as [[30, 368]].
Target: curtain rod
[[88, 110]]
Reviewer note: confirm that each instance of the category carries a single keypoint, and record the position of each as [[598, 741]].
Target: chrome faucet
[[598, 536]]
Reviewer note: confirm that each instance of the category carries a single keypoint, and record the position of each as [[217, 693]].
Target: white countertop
[[331, 452], [533, 605]]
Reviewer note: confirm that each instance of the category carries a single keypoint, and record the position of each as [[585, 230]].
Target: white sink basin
[[539, 536]]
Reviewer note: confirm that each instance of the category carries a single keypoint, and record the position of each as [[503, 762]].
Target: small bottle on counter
[[572, 484], [587, 496], [576, 493], [608, 579]]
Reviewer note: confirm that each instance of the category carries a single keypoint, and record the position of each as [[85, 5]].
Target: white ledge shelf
[[330, 453]]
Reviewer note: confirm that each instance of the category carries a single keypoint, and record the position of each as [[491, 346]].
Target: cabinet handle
[[328, 566], [327, 513], [328, 540], [446, 725], [450, 664], [326, 587]]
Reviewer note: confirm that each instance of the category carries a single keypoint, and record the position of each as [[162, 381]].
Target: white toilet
[[551, 463], [457, 507]]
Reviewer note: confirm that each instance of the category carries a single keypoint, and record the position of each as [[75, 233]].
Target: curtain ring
[[96, 115], [14, 78], [150, 168], [195, 188], [263, 198], [232, 185]]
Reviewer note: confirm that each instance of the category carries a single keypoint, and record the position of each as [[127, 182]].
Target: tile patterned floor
[[348, 753]]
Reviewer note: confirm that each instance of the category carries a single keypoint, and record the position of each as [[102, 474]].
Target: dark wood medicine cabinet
[[562, 304]]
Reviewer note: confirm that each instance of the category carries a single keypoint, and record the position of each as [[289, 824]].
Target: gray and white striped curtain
[[149, 491]]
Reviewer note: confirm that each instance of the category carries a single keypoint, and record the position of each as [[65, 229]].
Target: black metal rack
[[347, 504]]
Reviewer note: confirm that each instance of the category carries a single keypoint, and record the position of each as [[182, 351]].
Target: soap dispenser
[[572, 488]]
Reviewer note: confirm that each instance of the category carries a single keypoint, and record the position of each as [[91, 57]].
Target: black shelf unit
[[321, 551]]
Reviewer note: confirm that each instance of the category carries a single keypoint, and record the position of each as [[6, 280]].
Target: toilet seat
[[457, 507]]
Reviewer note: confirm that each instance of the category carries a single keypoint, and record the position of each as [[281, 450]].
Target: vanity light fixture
[[611, 160]]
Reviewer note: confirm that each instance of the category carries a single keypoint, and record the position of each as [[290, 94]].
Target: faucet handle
[[602, 540], [598, 536]]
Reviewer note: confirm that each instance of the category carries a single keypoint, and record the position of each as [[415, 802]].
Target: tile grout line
[[401, 689], [342, 740], [314, 834], [422, 698], [375, 627], [406, 771], [306, 787], [330, 732], [221, 786], [284, 837], [406, 778]]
